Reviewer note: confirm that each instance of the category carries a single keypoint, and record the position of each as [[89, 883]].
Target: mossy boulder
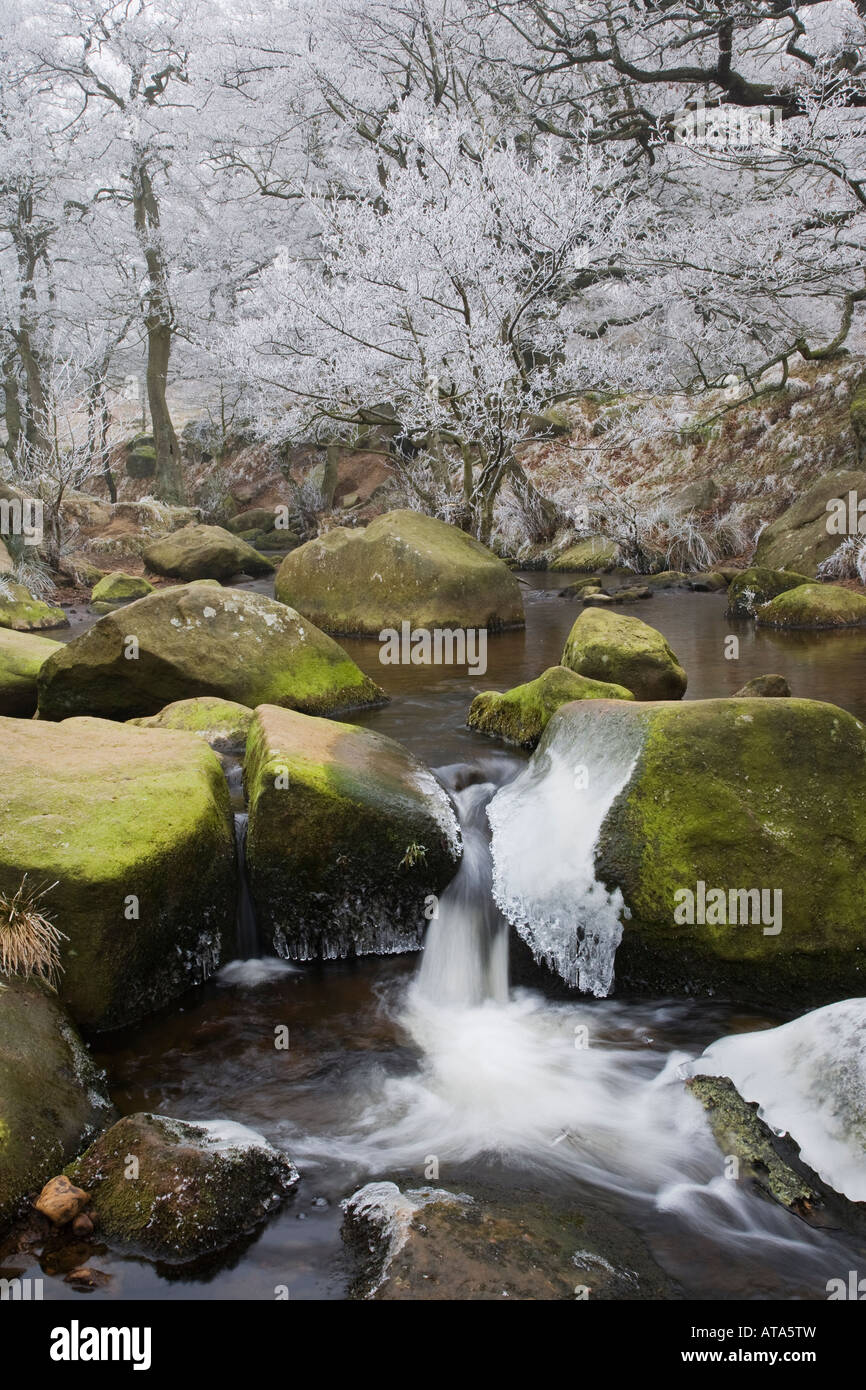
[[741, 794], [348, 835], [134, 827], [765, 687], [749, 798], [118, 588], [141, 456], [815, 606], [712, 582], [261, 519], [521, 715], [22, 656], [201, 639], [754, 587], [596, 554], [222, 724], [581, 588], [203, 552], [53, 1101], [21, 612], [176, 1190], [669, 579], [403, 567], [622, 650], [801, 538]]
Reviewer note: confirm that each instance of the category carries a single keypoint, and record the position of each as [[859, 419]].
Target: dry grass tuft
[[29, 940]]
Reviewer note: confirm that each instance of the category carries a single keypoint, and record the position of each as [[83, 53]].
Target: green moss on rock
[[754, 587], [175, 1190], [814, 606], [52, 1099], [521, 715], [403, 567], [622, 650], [222, 724], [118, 587], [595, 554], [134, 827], [740, 1133], [201, 639], [348, 834], [22, 612], [203, 552], [22, 656], [800, 539]]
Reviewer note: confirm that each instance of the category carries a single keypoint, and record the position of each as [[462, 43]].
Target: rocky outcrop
[[622, 650]]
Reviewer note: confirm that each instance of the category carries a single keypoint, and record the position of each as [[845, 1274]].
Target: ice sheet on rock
[[808, 1078], [546, 825]]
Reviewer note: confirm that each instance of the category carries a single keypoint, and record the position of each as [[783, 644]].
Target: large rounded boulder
[[201, 639], [758, 585], [133, 829], [349, 835], [403, 567], [716, 846], [203, 552], [621, 650], [814, 606], [522, 714], [21, 612], [53, 1101]]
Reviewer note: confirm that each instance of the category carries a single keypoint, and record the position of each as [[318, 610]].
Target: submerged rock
[[204, 552], [403, 567], [814, 605], [710, 583], [800, 538], [201, 639], [135, 828], [348, 836], [714, 846], [176, 1190], [625, 651], [222, 724], [22, 656], [22, 612], [521, 715], [765, 687], [431, 1244], [756, 586], [52, 1099]]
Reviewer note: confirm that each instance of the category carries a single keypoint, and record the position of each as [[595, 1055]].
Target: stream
[[396, 1060]]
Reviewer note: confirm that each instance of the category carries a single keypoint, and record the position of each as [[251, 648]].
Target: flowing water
[[398, 1061]]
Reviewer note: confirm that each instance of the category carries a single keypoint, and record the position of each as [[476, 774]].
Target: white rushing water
[[808, 1078], [545, 830]]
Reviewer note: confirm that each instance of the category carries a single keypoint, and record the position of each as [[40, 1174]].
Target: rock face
[[799, 539], [814, 605], [714, 846], [198, 1186], [200, 639], [203, 552], [222, 724], [348, 835], [134, 826], [22, 612], [594, 555], [756, 586], [403, 567], [765, 687], [22, 656], [521, 715], [624, 651], [52, 1099]]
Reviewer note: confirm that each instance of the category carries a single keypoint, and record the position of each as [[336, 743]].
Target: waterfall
[[465, 958], [246, 932], [546, 825]]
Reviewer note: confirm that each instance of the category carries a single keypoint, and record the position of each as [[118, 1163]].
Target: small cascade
[[465, 958], [247, 931]]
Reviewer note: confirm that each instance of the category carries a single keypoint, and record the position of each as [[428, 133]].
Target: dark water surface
[[354, 1098]]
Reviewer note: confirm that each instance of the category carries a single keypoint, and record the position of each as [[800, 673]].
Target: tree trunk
[[12, 405]]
